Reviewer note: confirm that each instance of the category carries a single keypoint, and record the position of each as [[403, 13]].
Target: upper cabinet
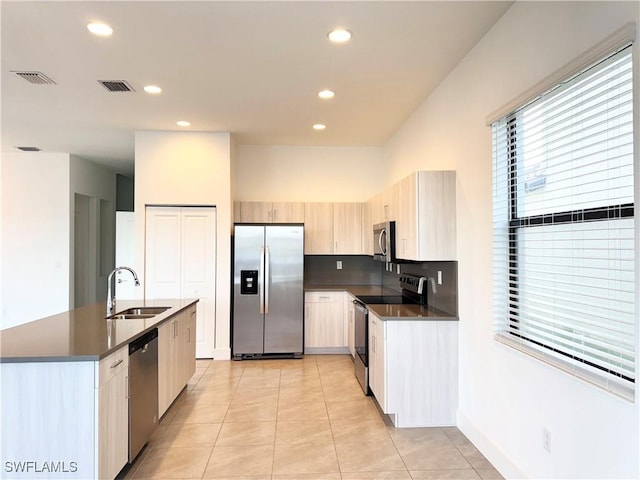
[[384, 206], [426, 216], [347, 228], [269, 212], [318, 228], [333, 228]]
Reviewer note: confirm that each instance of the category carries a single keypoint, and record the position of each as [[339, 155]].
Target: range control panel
[[413, 283]]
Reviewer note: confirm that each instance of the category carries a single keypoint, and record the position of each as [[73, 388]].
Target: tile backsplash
[[363, 270]]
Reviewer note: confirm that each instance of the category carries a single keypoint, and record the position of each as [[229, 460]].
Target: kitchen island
[[64, 386]]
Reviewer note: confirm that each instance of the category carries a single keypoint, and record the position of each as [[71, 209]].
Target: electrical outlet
[[398, 269], [339, 265], [439, 277], [546, 440]]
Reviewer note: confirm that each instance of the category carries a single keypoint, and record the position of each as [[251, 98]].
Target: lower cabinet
[[113, 413], [176, 356], [413, 370], [350, 315], [377, 367], [324, 322]]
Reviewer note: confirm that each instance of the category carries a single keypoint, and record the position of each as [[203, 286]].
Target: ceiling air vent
[[116, 85], [37, 78], [29, 149]]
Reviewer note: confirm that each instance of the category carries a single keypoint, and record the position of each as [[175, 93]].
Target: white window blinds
[[563, 192]]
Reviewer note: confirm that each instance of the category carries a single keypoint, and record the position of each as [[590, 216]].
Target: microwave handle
[[380, 244]]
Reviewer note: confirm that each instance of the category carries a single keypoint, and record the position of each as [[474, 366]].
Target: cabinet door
[[189, 344], [318, 228], [347, 228], [113, 414], [350, 310], [407, 221], [255, 212], [166, 366], [324, 320], [288, 212], [377, 364], [367, 228]]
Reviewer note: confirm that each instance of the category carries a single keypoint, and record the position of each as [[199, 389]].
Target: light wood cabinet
[[176, 356], [367, 228], [426, 223], [324, 323], [167, 363], [413, 370], [113, 413], [333, 228], [347, 228], [318, 228], [269, 212], [350, 315], [377, 366]]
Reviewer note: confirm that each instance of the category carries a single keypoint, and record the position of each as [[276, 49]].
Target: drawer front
[[113, 364], [323, 297]]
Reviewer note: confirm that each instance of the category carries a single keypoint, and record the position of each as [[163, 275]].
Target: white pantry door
[[180, 262]]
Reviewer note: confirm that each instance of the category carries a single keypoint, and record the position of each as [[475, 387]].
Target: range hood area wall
[[443, 295]]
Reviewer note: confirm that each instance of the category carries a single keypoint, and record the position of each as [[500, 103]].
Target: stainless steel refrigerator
[[268, 293]]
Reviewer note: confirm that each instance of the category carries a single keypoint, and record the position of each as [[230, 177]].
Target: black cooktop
[[385, 299]]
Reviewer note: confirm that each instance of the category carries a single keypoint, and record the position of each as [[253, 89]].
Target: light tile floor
[[295, 419]]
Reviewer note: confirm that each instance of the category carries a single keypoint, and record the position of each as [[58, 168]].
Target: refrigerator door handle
[[261, 280], [267, 278]]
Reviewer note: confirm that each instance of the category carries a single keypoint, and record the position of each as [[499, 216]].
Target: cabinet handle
[[275, 214], [188, 335], [117, 363], [175, 329], [126, 379]]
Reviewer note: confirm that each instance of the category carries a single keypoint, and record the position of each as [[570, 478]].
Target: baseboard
[[222, 354], [489, 449], [326, 350]]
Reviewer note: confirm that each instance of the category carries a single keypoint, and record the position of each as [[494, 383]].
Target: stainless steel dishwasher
[[143, 391]]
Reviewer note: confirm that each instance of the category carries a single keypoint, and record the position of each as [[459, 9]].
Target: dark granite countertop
[[83, 334], [387, 312]]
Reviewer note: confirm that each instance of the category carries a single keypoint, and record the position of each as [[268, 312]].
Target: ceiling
[[250, 68]]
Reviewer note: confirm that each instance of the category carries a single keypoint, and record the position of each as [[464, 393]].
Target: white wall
[[38, 230], [35, 236], [99, 183], [176, 168], [506, 398], [311, 174]]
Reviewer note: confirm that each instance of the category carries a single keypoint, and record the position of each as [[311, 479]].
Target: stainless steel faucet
[[111, 297]]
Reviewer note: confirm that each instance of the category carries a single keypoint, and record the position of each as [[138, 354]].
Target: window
[[564, 248]]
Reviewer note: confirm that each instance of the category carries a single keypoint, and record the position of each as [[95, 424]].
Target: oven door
[[361, 360]]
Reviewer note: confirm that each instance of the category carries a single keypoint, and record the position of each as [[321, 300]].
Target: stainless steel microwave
[[384, 242]]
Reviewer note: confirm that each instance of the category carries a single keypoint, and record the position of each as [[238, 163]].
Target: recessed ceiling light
[[319, 126], [152, 89], [183, 123], [326, 94], [339, 35], [101, 29]]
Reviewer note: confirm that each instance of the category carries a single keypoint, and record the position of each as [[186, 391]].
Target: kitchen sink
[[151, 311], [138, 313]]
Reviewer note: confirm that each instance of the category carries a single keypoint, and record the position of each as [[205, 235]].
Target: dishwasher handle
[[142, 342]]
